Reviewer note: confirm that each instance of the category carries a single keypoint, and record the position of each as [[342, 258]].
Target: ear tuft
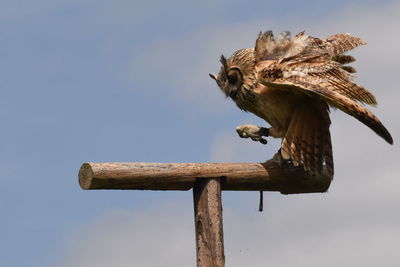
[[224, 62]]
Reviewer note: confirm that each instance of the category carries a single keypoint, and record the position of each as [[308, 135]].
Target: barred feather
[[343, 59], [349, 69], [338, 100], [306, 141], [326, 71], [339, 43]]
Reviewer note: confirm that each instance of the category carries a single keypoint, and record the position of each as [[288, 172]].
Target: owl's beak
[[213, 76]]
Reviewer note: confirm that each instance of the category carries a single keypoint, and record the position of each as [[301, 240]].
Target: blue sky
[[128, 81]]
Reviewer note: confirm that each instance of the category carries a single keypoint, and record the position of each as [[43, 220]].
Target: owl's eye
[[232, 79], [234, 76]]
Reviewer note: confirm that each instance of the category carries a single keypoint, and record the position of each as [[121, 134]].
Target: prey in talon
[[291, 83], [254, 132]]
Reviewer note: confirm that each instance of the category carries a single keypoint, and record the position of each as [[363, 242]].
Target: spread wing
[[330, 94], [320, 59], [311, 66], [319, 75]]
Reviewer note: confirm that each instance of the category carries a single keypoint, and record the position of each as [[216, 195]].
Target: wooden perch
[[208, 223], [267, 176], [207, 181]]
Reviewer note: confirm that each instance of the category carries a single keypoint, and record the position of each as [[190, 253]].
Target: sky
[[126, 80]]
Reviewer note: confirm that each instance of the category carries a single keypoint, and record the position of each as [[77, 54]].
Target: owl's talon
[[263, 141], [254, 132]]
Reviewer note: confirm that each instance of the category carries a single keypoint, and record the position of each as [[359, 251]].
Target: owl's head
[[235, 72]]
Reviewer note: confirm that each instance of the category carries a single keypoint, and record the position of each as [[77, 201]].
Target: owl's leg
[[254, 132], [279, 161]]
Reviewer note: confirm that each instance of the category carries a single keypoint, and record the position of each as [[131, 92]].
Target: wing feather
[[304, 142], [327, 92], [324, 71], [338, 80], [320, 71], [318, 156], [327, 147], [339, 43]]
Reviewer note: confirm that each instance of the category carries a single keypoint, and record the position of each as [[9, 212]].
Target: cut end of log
[[85, 176]]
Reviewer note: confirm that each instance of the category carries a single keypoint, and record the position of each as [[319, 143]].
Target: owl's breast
[[273, 105]]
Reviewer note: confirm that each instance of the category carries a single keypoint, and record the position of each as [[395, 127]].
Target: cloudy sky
[[128, 81]]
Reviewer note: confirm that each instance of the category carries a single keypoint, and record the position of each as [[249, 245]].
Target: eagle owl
[[291, 83]]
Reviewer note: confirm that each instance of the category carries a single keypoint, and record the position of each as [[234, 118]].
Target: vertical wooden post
[[208, 223]]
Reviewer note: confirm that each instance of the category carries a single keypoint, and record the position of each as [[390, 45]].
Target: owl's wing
[[311, 66], [328, 72], [302, 47], [328, 91], [308, 139], [322, 60]]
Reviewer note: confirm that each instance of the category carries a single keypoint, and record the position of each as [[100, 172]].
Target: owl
[[291, 83]]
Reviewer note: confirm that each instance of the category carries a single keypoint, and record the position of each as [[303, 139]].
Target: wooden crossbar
[[182, 176]]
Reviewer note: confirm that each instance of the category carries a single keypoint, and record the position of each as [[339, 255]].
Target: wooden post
[[208, 223]]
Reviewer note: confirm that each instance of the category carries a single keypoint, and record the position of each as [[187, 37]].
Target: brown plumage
[[290, 83]]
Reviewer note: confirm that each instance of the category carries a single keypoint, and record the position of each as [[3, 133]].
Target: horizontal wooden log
[[267, 176]]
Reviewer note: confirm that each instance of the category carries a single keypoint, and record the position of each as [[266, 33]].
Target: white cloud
[[157, 237]]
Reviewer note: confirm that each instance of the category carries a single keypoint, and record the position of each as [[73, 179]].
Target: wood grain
[[267, 176], [208, 223]]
